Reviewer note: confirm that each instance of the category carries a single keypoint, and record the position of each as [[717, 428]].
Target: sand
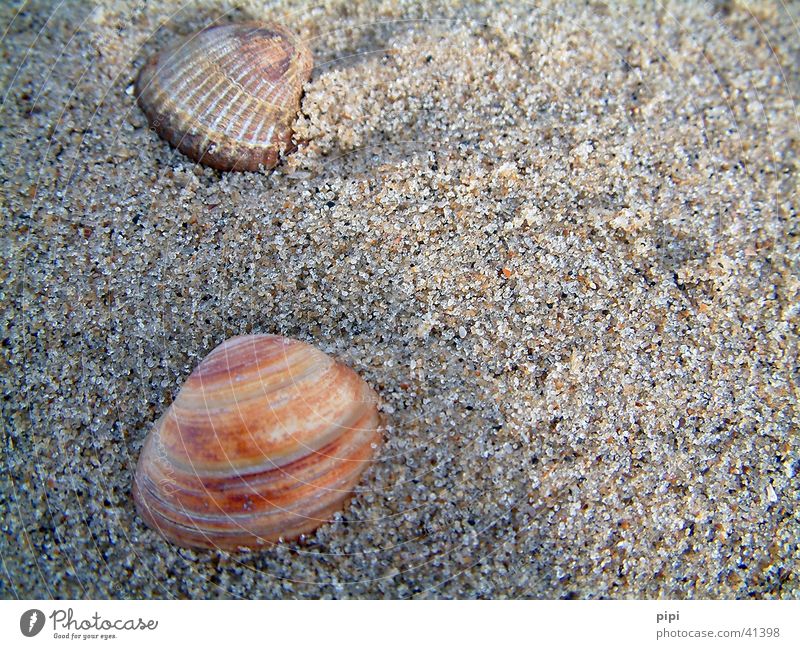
[[560, 240]]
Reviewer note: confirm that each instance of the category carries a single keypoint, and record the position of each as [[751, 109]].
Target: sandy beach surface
[[559, 239]]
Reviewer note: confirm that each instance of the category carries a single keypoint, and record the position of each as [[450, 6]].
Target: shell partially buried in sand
[[264, 442], [227, 96]]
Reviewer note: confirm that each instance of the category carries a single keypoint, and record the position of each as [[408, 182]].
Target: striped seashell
[[227, 96], [265, 441]]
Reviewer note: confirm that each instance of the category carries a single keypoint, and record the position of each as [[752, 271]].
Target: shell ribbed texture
[[228, 95], [265, 441]]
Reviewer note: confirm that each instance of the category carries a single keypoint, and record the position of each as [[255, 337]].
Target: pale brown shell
[[227, 96], [264, 442]]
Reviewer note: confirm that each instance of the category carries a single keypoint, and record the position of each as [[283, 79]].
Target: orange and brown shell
[[264, 442], [227, 96]]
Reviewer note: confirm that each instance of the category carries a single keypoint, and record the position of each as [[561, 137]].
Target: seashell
[[228, 95], [264, 442]]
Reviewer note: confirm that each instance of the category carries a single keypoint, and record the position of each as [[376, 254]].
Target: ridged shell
[[228, 95], [265, 441]]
